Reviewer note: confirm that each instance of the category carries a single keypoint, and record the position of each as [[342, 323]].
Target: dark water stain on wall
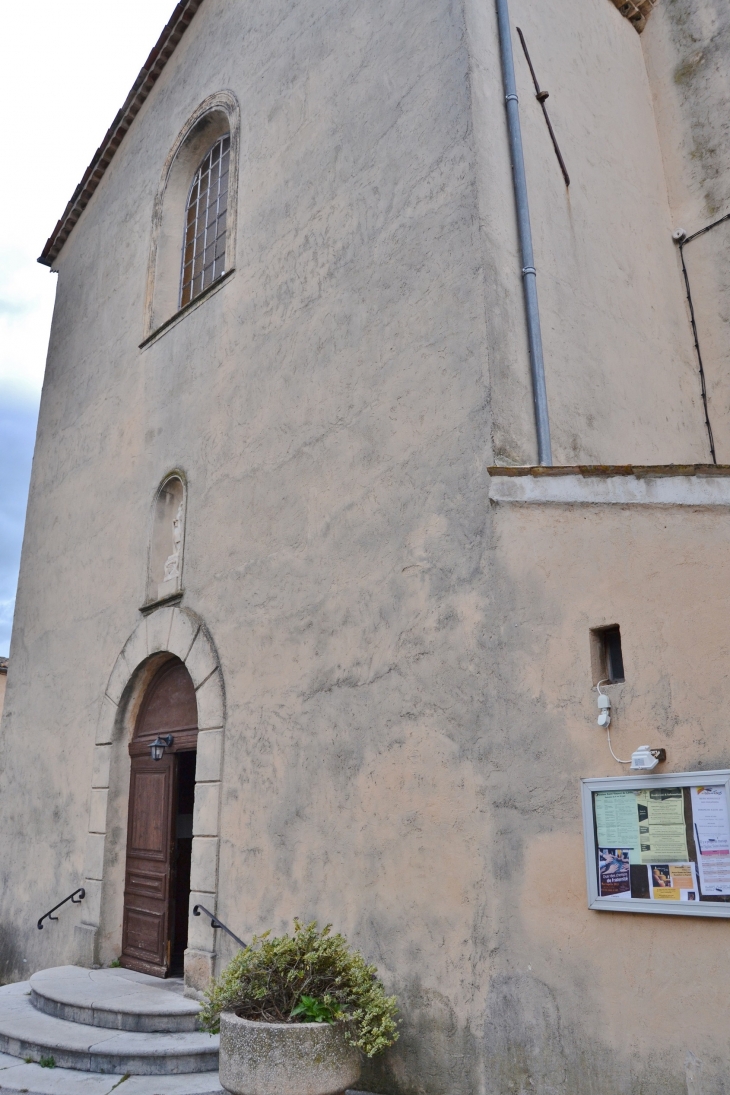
[[530, 1050], [700, 31], [433, 1056], [11, 955]]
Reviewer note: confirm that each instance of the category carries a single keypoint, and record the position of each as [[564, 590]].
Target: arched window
[[195, 212], [204, 247]]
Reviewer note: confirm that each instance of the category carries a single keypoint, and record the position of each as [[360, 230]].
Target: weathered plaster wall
[[621, 378], [687, 45], [389, 691], [316, 403], [585, 1001], [687, 48]]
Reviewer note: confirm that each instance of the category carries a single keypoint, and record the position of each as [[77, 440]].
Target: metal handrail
[[80, 893], [215, 923]]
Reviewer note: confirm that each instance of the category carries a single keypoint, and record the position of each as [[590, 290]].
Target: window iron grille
[[204, 246]]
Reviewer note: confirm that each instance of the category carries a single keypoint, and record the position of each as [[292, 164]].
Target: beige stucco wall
[[401, 657], [602, 1001], [620, 372], [687, 48]]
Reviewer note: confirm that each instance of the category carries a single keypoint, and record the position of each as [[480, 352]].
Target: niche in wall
[[167, 541]]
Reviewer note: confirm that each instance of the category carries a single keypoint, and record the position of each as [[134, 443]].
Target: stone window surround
[[174, 631], [167, 231]]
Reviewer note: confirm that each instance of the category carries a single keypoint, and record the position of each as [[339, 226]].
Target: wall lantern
[[157, 747]]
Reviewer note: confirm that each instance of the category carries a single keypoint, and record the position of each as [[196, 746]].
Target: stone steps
[[114, 999], [16, 1077], [26, 1032], [101, 1028]]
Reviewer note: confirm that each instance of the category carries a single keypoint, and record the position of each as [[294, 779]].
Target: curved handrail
[[80, 893], [215, 923]]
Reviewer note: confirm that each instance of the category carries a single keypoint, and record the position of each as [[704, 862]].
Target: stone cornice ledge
[[621, 485]]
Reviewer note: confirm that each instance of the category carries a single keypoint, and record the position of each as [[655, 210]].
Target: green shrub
[[309, 976], [313, 1010]]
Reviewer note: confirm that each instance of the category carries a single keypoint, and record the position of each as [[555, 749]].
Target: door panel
[[146, 931], [151, 895]]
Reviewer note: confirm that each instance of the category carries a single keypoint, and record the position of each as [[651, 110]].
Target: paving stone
[[17, 1077]]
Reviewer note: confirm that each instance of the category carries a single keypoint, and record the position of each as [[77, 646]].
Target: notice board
[[659, 844]]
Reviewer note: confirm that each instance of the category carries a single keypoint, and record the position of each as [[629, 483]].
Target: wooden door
[[169, 707], [146, 930]]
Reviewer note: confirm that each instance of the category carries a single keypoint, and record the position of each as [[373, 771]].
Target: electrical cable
[[608, 730], [693, 323], [703, 387], [617, 759]]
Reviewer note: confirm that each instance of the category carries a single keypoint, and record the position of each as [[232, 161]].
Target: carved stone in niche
[[167, 543], [171, 581]]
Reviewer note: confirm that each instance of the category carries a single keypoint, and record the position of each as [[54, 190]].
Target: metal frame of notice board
[[706, 826]]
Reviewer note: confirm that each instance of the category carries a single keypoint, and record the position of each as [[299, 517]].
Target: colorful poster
[[662, 829], [617, 822], [672, 882], [613, 872], [712, 837]]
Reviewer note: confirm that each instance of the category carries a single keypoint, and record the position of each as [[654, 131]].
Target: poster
[[672, 882], [613, 872], [662, 827], [712, 839], [617, 822], [656, 843]]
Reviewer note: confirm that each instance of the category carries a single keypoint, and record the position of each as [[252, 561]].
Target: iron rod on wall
[[541, 95]]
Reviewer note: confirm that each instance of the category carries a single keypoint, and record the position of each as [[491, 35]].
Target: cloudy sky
[[66, 69]]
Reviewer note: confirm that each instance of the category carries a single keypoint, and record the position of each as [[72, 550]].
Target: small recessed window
[[607, 660], [204, 248]]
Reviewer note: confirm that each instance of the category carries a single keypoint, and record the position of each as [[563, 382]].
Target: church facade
[[304, 627]]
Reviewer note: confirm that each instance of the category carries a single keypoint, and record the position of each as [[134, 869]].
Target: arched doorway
[[160, 825]]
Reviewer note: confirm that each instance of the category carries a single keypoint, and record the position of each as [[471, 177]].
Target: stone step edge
[[141, 1064], [118, 1052], [114, 1018]]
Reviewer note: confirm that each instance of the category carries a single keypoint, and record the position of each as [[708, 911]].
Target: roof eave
[[164, 48]]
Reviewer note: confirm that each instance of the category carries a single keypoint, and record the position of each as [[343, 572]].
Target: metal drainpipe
[[529, 274]]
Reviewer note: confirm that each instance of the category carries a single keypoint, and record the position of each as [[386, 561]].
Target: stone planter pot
[[285, 1058]]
